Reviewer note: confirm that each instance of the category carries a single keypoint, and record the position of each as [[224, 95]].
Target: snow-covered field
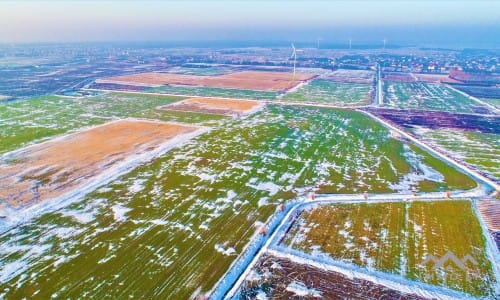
[[400, 238], [172, 227], [481, 150], [331, 92], [428, 96]]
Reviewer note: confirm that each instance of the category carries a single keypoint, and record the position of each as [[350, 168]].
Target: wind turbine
[[350, 43], [319, 40], [384, 40], [294, 56]]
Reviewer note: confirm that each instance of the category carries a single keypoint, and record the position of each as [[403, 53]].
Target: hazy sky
[[425, 20]]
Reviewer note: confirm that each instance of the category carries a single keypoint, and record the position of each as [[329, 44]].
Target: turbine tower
[[385, 41], [350, 43], [294, 56], [319, 39]]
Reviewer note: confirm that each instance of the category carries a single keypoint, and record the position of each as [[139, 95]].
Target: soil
[[214, 106], [249, 80], [53, 168], [278, 273], [490, 210]]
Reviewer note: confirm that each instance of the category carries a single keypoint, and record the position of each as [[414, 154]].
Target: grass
[[371, 240], [213, 92], [492, 101], [398, 237], [155, 231], [330, 92], [438, 227], [481, 150], [34, 120], [453, 179], [426, 96]]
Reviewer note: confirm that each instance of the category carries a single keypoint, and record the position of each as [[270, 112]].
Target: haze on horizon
[[403, 22]]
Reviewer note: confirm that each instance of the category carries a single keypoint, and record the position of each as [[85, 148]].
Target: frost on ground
[[420, 172], [481, 150], [173, 226], [330, 92], [400, 238], [428, 96]]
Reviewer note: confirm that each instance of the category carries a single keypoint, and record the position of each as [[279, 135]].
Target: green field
[[481, 150], [426, 96], [204, 91], [33, 120], [398, 237], [492, 101], [330, 92], [170, 228]]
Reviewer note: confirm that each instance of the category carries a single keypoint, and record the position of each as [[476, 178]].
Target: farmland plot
[[218, 106], [428, 96], [330, 92], [276, 278], [171, 228], [36, 119], [204, 91], [401, 238], [492, 101], [248, 80], [354, 76], [481, 150]]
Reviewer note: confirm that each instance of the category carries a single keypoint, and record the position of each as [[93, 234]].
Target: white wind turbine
[[294, 56]]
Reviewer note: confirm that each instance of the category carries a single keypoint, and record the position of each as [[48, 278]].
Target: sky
[[403, 21]]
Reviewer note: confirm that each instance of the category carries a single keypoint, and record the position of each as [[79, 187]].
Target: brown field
[[248, 80], [62, 165], [274, 277], [412, 77], [403, 77], [490, 210], [435, 78], [214, 106]]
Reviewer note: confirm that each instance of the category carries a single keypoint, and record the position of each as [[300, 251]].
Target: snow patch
[[119, 212], [300, 289], [229, 251]]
